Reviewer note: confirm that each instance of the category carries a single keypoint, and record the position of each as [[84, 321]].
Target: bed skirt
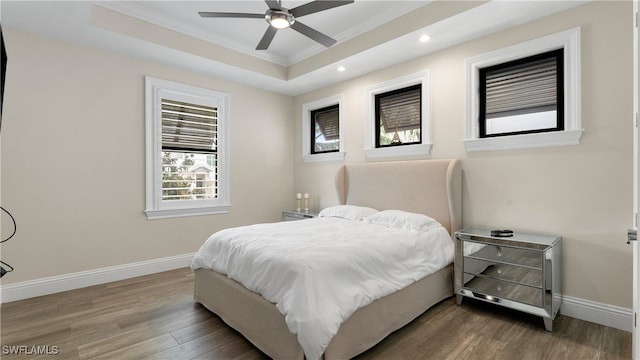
[[262, 324]]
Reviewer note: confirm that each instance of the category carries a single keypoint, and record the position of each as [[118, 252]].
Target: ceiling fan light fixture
[[279, 19]]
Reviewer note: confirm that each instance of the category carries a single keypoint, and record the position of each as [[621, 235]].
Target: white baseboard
[[603, 314], [55, 284]]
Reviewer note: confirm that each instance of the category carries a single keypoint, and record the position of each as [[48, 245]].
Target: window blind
[[189, 127], [329, 122], [189, 145], [523, 87], [400, 110]]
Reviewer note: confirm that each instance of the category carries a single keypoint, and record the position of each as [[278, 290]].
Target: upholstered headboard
[[430, 187]]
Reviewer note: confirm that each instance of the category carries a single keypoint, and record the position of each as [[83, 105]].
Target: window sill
[[398, 151], [196, 211], [525, 141], [333, 156]]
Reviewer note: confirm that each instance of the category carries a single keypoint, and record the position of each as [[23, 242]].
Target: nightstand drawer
[[518, 274], [506, 290], [504, 254]]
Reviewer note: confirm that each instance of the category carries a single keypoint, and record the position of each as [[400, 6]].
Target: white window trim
[[569, 40], [156, 208], [307, 108], [424, 148]]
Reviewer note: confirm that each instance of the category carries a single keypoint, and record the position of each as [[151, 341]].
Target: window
[[325, 133], [322, 129], [187, 169], [398, 124], [526, 95], [398, 116], [522, 96]]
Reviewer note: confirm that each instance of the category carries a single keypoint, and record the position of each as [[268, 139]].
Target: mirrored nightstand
[[521, 272], [298, 215]]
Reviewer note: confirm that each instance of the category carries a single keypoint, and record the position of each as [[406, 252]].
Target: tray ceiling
[[371, 34]]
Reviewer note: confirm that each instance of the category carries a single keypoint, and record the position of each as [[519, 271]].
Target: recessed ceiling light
[[425, 38], [341, 68]]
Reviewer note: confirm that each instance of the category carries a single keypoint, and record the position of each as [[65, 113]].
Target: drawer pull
[[498, 251], [486, 297]]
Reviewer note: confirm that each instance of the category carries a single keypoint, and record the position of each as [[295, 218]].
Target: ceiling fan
[[280, 17]]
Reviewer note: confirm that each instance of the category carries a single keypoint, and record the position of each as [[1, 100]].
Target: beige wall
[[73, 160], [580, 192], [72, 156]]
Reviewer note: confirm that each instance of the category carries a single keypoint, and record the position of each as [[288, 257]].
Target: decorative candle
[[298, 197], [306, 202]]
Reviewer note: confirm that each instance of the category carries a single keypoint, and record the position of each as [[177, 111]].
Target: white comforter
[[320, 271]]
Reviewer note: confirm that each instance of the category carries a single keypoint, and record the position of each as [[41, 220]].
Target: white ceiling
[[288, 46], [371, 34]]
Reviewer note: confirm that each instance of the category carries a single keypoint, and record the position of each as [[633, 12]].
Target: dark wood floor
[[154, 317]]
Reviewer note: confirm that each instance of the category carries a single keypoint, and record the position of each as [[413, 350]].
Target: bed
[[431, 187]]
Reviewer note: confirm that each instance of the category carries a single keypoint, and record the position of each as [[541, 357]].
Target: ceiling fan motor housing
[[279, 19]]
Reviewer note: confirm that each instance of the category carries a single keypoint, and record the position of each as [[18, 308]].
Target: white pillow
[[402, 220], [350, 212]]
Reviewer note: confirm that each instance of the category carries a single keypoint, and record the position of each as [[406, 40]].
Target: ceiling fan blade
[[313, 34], [206, 14], [266, 38], [274, 4], [315, 6]]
